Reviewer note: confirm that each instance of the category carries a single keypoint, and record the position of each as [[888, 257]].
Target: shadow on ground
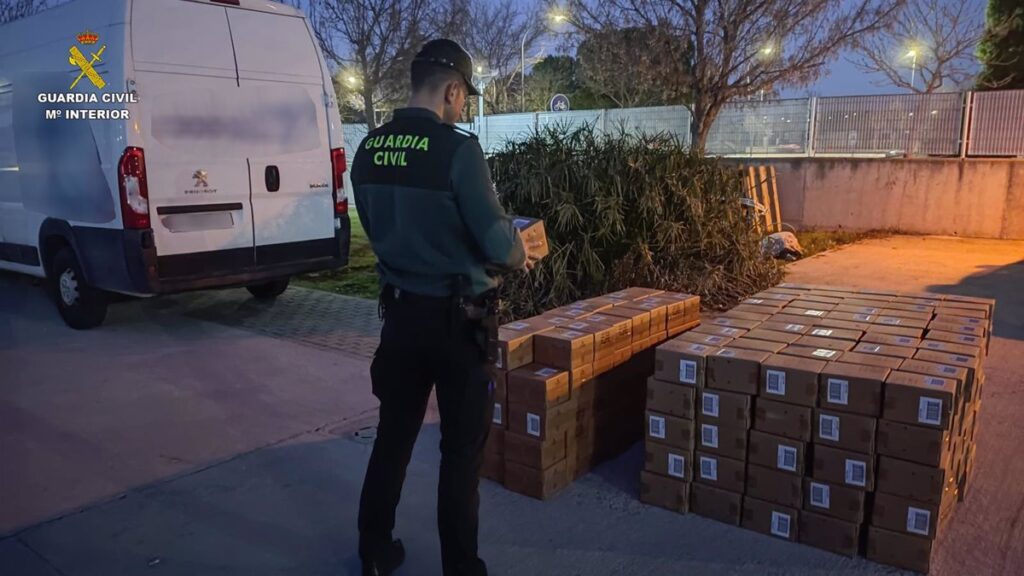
[[996, 282]]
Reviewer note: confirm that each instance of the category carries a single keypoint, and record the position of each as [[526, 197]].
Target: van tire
[[81, 306], [269, 290]]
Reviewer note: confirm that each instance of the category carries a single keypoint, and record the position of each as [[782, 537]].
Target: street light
[[913, 67]]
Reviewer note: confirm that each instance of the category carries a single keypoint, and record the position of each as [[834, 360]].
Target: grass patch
[[358, 279], [818, 241]]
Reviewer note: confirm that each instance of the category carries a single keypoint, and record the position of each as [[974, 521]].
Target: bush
[[628, 210]]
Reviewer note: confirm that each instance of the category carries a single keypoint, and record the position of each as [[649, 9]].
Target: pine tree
[[1002, 50]]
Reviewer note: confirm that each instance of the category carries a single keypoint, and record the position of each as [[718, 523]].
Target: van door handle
[[272, 176]]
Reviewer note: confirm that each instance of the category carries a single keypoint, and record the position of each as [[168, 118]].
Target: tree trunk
[[698, 128], [371, 115]]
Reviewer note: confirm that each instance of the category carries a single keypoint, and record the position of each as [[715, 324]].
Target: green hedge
[[628, 210]]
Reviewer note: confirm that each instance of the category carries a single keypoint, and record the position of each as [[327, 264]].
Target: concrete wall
[[973, 198]]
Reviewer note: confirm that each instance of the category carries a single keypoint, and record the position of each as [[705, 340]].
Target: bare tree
[[642, 66], [376, 40], [928, 46], [742, 46], [495, 35], [13, 9]]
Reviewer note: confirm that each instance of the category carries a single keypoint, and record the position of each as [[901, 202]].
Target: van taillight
[[338, 190], [131, 179]]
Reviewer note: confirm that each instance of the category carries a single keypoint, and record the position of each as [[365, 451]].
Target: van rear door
[[195, 137], [280, 76]]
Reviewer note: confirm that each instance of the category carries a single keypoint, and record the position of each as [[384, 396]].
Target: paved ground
[[206, 434]]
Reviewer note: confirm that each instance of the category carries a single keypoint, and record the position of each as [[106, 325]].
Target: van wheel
[[80, 305], [269, 290]]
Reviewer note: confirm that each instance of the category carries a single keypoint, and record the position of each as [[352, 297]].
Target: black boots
[[386, 561]]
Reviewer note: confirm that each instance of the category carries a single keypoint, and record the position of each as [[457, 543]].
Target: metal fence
[[949, 124], [997, 124]]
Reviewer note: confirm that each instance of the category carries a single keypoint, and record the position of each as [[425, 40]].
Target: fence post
[[604, 121], [812, 117], [965, 123]]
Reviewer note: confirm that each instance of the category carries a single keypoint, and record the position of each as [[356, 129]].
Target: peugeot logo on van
[[200, 177]]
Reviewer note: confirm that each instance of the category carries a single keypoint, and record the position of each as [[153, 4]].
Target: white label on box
[[754, 301], [709, 435], [824, 353], [821, 332], [726, 352], [919, 521], [572, 334], [933, 345], [688, 371], [935, 381], [872, 310], [873, 348], [731, 331], [709, 468], [948, 369], [856, 473], [904, 340], [929, 411], [828, 427], [967, 339], [546, 372], [722, 321], [974, 321], [862, 317], [781, 524], [920, 308], [533, 424], [820, 494], [838, 391], [497, 413], [698, 347], [814, 313], [966, 329], [714, 339], [500, 361], [676, 466], [520, 222], [517, 325], [786, 458], [795, 327], [775, 382], [577, 326], [709, 405], [656, 427], [557, 321], [598, 318], [890, 320], [962, 358]]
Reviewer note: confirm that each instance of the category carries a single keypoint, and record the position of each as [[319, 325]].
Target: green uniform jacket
[[424, 196]]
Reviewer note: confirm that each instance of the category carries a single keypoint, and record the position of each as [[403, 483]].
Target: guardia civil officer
[[425, 198]]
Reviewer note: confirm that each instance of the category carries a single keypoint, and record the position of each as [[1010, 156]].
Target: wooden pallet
[[760, 186]]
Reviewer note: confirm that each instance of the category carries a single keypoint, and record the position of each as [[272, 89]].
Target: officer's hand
[[533, 254]]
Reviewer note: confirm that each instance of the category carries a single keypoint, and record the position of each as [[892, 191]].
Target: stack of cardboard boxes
[[569, 385], [840, 418]]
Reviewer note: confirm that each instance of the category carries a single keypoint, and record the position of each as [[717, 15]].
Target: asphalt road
[[181, 439]]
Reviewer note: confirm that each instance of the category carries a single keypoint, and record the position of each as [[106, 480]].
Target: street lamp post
[[913, 68]]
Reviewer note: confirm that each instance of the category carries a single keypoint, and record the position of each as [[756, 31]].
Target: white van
[[157, 146]]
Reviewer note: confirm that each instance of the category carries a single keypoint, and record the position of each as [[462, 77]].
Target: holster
[[482, 313]]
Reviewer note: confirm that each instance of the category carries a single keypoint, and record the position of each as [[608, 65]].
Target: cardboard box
[[834, 500], [783, 419], [919, 399], [671, 398], [952, 347], [903, 312], [729, 409], [823, 342], [675, 308], [817, 299], [890, 362], [858, 307], [912, 480], [770, 518], [722, 440], [824, 354], [588, 306], [657, 310], [529, 421], [746, 343], [756, 310], [717, 504], [776, 452], [896, 330], [774, 486], [952, 310], [675, 330], [889, 320], [571, 312], [832, 534], [532, 232], [734, 322], [956, 319], [902, 352], [947, 371], [670, 430], [970, 363], [843, 334], [641, 320], [607, 336], [727, 331], [900, 550], [844, 324], [668, 493], [499, 385], [783, 337], [735, 370], [635, 293], [668, 461], [537, 386], [777, 302], [890, 339], [682, 362], [958, 328], [790, 379], [843, 467], [851, 317], [757, 317], [908, 516], [533, 452], [540, 484], [515, 343], [720, 472], [847, 431], [562, 348], [705, 339], [785, 327], [853, 388]]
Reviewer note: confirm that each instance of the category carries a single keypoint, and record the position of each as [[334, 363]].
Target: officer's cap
[[448, 54]]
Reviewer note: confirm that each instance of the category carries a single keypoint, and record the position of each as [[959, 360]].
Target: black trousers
[[423, 344]]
